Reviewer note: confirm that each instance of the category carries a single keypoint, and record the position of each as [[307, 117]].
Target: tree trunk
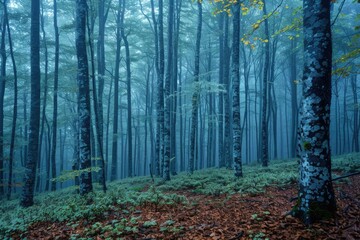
[[14, 118], [55, 112], [2, 95], [316, 194], [235, 76], [168, 79], [159, 59], [221, 95], [264, 110], [128, 82], [355, 141], [115, 137], [195, 97], [294, 101], [83, 98], [33, 145], [228, 144]]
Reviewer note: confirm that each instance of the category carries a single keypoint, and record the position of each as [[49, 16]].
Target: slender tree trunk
[[264, 110], [62, 152], [14, 118], [168, 79], [346, 143], [356, 114], [235, 76], [128, 82], [2, 95], [55, 112], [221, 95], [195, 97], [99, 110], [228, 144], [114, 157], [83, 98], [33, 146], [159, 58], [294, 100], [99, 119]]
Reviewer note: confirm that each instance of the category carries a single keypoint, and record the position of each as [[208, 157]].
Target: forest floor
[[209, 204], [258, 216]]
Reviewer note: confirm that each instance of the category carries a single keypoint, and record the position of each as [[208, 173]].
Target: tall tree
[[55, 107], [99, 111], [294, 101], [14, 120], [114, 160], [195, 97], [168, 79], [316, 199], [83, 98], [265, 94], [32, 157], [235, 76], [355, 140], [43, 110], [128, 88], [2, 95], [160, 85]]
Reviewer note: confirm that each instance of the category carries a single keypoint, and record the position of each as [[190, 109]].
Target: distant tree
[[32, 157], [235, 76], [294, 100], [265, 96], [160, 70], [114, 160], [98, 105], [83, 98], [195, 97], [15, 108], [55, 107], [128, 88], [316, 199], [355, 140], [2, 95]]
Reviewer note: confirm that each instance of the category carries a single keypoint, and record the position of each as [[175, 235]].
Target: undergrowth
[[67, 206]]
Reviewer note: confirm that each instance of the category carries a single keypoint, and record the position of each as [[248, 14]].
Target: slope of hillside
[[210, 204]]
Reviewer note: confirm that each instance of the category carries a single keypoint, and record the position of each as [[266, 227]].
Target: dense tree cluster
[[115, 89]]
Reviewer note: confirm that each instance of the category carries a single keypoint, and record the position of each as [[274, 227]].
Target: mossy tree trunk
[[83, 98], [235, 76], [316, 194]]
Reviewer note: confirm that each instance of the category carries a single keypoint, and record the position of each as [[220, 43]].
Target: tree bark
[[55, 112], [115, 137], [2, 95], [195, 97], [32, 157], [235, 76], [316, 199], [128, 88], [83, 99], [14, 118], [264, 110], [168, 79]]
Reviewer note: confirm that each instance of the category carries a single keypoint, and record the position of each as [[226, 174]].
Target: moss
[[307, 146]]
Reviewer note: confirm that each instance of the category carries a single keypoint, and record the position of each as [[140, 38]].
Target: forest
[[179, 119]]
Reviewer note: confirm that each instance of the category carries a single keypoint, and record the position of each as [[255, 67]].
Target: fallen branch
[[345, 176]]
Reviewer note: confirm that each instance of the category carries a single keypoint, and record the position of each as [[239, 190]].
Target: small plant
[[150, 223]]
